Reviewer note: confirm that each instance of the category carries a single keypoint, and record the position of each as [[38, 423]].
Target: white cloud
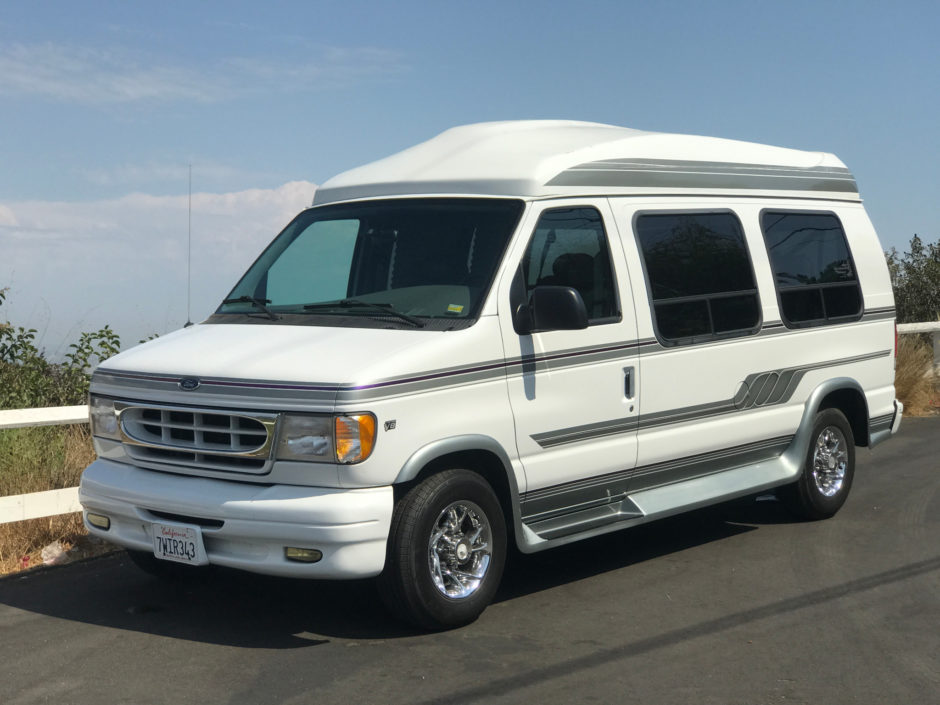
[[82, 75], [78, 266], [7, 217], [107, 76]]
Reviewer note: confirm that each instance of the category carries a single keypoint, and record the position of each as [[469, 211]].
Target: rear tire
[[828, 469], [446, 551]]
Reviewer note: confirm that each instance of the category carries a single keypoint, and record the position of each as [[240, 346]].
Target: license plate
[[179, 543]]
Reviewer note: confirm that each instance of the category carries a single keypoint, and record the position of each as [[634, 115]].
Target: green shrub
[[915, 276], [28, 379]]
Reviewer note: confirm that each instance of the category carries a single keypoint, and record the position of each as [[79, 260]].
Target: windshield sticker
[[454, 308]]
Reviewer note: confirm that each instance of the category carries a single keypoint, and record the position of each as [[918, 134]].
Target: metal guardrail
[[53, 502]]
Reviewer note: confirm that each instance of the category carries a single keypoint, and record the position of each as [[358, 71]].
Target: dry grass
[[915, 382], [21, 542], [26, 456], [43, 458]]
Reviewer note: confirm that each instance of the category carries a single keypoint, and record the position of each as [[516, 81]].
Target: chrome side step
[[585, 519]]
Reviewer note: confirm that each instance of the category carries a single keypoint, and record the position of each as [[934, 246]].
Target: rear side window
[[813, 269], [699, 276]]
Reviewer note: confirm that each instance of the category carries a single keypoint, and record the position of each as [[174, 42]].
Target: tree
[[915, 276]]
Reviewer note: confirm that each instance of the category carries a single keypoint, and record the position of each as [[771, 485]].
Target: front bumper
[[350, 527]]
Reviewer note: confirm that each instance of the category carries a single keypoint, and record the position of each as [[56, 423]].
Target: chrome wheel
[[459, 549], [828, 469], [830, 459], [446, 550]]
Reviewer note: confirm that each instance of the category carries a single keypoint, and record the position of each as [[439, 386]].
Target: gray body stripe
[[879, 314], [581, 433], [550, 502], [270, 392], [222, 383], [784, 382], [648, 173], [688, 413], [241, 394], [434, 379], [672, 471], [710, 167], [759, 389], [513, 188]]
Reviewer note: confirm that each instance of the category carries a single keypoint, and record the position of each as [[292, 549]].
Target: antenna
[[189, 254]]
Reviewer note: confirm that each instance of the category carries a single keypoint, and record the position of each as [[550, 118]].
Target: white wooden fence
[[932, 328], [41, 504], [54, 502]]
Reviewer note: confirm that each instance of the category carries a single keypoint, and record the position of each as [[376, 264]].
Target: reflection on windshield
[[405, 258]]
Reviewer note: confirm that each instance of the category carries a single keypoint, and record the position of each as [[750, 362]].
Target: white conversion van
[[516, 332]]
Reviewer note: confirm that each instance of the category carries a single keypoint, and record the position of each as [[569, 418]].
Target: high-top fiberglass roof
[[546, 158]]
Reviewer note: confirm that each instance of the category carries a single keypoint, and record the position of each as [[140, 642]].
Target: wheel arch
[[850, 400], [842, 393], [481, 454]]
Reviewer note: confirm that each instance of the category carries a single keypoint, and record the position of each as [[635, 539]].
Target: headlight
[[103, 418], [345, 439], [307, 438]]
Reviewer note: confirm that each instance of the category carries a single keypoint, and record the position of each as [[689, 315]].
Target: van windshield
[[415, 263]]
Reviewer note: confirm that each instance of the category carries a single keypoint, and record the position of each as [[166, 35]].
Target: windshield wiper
[[353, 303], [260, 303]]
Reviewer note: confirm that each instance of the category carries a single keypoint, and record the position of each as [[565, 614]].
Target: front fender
[[427, 454]]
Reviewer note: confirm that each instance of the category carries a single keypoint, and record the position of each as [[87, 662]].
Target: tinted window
[[289, 277], [699, 275], [425, 258], [812, 267], [569, 248]]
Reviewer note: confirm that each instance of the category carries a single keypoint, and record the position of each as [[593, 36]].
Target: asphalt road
[[733, 604]]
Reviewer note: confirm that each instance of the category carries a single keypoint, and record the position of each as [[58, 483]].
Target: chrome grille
[[207, 438]]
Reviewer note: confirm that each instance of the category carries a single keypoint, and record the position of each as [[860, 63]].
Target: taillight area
[[895, 344]]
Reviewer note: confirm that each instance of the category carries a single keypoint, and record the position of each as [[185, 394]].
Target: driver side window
[[569, 248]]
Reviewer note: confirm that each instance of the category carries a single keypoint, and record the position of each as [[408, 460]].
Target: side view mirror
[[550, 308]]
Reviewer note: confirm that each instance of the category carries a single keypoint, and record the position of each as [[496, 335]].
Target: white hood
[[270, 352], [304, 367]]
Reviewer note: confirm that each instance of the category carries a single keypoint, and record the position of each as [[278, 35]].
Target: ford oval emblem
[[189, 383]]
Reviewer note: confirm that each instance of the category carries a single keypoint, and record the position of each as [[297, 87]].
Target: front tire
[[446, 551], [828, 470]]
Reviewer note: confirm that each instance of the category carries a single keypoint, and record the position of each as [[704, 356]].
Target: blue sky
[[104, 104]]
